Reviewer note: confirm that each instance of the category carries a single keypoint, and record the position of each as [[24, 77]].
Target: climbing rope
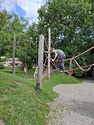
[[70, 71], [85, 70], [53, 63], [81, 68], [76, 55]]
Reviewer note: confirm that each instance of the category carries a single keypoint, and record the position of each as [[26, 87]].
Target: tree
[[10, 25], [71, 23], [33, 33], [25, 49], [26, 38], [5, 37], [4, 17]]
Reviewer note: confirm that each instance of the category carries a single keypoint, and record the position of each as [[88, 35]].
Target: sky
[[23, 8]]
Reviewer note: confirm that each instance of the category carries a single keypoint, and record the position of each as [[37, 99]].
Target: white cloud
[[9, 5], [29, 6]]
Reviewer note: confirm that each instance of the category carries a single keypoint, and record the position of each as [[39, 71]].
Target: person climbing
[[58, 58]]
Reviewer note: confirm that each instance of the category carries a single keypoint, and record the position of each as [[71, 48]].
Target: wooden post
[[40, 62], [49, 47], [92, 53], [13, 57], [93, 63]]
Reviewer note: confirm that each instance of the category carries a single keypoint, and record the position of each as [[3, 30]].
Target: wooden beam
[[40, 62], [93, 63], [49, 47], [13, 56]]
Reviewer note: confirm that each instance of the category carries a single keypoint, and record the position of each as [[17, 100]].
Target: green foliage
[[72, 26], [15, 25], [33, 35], [25, 46], [72, 30], [67, 18], [25, 49], [11, 24], [2, 58], [1, 66], [21, 104], [4, 17]]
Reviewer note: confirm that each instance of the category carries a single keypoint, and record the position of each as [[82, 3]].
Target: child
[[25, 69], [36, 72], [58, 58]]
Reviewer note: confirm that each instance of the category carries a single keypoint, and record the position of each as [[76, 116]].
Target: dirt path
[[74, 106]]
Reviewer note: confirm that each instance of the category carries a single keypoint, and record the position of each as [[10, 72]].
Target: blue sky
[[25, 8]]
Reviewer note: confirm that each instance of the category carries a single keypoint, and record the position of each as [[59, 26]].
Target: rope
[[76, 55], [70, 71], [85, 70], [84, 52], [73, 58], [55, 66]]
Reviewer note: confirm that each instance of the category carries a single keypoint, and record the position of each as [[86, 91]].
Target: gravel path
[[74, 106]]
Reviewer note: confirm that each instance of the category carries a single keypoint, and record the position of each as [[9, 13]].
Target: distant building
[[9, 62]]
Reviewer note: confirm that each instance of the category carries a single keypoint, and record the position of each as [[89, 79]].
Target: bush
[[1, 66], [2, 58]]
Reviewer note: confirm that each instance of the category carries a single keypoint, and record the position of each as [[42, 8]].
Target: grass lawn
[[20, 104]]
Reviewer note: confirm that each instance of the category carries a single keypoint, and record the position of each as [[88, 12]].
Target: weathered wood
[[49, 46], [92, 53], [13, 56], [93, 63], [40, 62]]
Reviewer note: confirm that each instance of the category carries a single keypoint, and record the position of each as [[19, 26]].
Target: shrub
[[1, 66], [2, 58]]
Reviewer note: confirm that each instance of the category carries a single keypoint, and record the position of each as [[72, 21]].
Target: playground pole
[[93, 64], [49, 47], [40, 62], [13, 57]]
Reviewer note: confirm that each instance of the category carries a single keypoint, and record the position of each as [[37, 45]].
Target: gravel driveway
[[74, 105]]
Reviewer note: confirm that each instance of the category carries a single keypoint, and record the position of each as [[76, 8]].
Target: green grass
[[20, 104]]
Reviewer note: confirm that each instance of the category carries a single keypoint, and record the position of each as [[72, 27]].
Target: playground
[[47, 67], [71, 61], [73, 106]]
